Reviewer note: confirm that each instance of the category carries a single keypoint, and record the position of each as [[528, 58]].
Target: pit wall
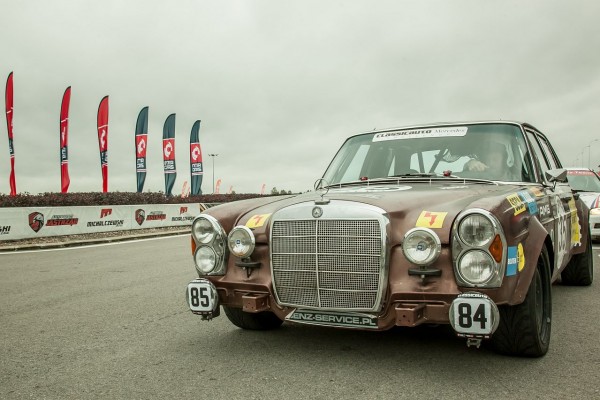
[[31, 222]]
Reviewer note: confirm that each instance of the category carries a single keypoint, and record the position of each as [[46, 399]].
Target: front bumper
[[471, 315]]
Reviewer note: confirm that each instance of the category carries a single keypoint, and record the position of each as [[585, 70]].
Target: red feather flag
[[65, 181], [9, 124], [103, 140]]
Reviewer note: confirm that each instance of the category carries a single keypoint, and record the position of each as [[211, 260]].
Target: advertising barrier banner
[[31, 222]]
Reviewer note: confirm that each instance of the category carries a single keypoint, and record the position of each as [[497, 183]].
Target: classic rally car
[[587, 183], [466, 224]]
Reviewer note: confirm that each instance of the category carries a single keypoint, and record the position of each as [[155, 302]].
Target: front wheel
[[261, 321], [524, 328], [580, 270]]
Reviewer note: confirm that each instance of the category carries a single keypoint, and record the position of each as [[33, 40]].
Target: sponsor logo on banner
[[62, 220], [36, 221], [140, 145], [182, 210], [4, 230], [156, 216], [140, 216], [105, 212], [169, 155]]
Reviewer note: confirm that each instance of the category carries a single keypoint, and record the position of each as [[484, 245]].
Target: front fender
[[532, 248]]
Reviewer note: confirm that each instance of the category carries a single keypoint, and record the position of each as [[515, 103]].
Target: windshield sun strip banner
[[103, 140], [141, 146], [196, 168], [169, 154], [421, 133], [65, 181]]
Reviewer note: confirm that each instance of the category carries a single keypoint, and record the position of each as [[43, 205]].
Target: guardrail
[[30, 222]]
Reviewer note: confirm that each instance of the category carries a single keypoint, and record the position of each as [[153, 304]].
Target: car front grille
[[328, 263]]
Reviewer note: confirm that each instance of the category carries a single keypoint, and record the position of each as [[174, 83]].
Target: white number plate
[[201, 296], [473, 315]]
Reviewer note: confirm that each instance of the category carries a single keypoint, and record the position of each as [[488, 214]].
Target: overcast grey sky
[[279, 85]]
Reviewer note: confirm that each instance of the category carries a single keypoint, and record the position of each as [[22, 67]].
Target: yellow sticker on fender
[[517, 204], [520, 257], [431, 219], [256, 221]]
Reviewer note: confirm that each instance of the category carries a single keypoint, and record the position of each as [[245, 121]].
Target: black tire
[[580, 270], [261, 321], [524, 329]]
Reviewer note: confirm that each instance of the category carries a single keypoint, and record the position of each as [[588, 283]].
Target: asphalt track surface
[[110, 321]]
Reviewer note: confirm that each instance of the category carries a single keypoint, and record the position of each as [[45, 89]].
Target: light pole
[[213, 169], [589, 146]]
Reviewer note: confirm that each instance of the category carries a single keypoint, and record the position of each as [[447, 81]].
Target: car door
[[563, 224]]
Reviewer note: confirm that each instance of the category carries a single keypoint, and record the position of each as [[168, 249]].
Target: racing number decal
[[472, 314], [256, 221], [466, 317], [199, 297]]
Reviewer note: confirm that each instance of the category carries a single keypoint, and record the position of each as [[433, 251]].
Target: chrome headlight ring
[[476, 235], [211, 253], [421, 246], [241, 241]]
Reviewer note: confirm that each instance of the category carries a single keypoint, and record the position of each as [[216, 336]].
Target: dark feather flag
[[9, 124], [196, 169], [141, 144], [65, 181], [103, 140], [169, 154]]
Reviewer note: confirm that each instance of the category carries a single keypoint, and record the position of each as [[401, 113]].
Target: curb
[[84, 242]]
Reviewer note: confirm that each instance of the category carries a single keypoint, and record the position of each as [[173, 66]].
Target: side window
[[539, 154], [550, 153]]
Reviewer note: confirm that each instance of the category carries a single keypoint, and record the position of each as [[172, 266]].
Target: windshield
[[481, 151], [583, 180]]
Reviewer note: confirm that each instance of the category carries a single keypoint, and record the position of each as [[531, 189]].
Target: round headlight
[[476, 267], [476, 230], [203, 230], [421, 246], [241, 241], [205, 259]]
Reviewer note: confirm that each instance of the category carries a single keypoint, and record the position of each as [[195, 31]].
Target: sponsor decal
[[115, 223], [575, 227], [544, 210], [421, 133], [62, 220], [105, 212], [516, 203], [345, 320], [156, 216], [169, 155], [530, 201], [256, 221], [140, 216], [36, 221], [431, 219], [183, 210], [536, 191], [4, 230], [521, 256], [515, 260]]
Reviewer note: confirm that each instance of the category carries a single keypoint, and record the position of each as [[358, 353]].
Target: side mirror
[[556, 175]]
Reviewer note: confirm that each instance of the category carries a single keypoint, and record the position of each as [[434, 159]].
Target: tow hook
[[473, 342]]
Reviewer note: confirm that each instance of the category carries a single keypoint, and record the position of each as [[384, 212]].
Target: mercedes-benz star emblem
[[317, 212]]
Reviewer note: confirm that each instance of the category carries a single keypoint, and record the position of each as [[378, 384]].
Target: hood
[[430, 204]]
